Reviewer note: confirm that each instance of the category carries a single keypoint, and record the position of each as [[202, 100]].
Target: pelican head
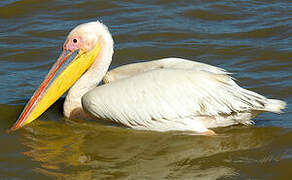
[[80, 50]]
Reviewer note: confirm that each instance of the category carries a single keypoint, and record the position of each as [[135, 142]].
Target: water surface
[[251, 39]]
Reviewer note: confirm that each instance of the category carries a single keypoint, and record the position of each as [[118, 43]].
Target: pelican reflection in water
[[161, 95], [92, 151]]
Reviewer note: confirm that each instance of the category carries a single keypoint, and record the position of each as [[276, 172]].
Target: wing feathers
[[175, 94], [170, 94], [166, 63]]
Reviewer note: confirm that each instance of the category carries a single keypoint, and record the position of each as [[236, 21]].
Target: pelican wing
[[169, 95], [128, 70]]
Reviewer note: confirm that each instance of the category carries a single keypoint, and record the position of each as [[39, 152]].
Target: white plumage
[[162, 95], [175, 98]]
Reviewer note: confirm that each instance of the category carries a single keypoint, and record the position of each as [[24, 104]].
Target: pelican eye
[[75, 40]]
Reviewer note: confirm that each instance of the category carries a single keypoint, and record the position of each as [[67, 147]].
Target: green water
[[251, 39]]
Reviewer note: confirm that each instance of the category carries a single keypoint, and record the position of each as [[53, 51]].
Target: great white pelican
[[170, 94]]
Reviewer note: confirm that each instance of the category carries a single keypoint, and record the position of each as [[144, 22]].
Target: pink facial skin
[[73, 43]]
